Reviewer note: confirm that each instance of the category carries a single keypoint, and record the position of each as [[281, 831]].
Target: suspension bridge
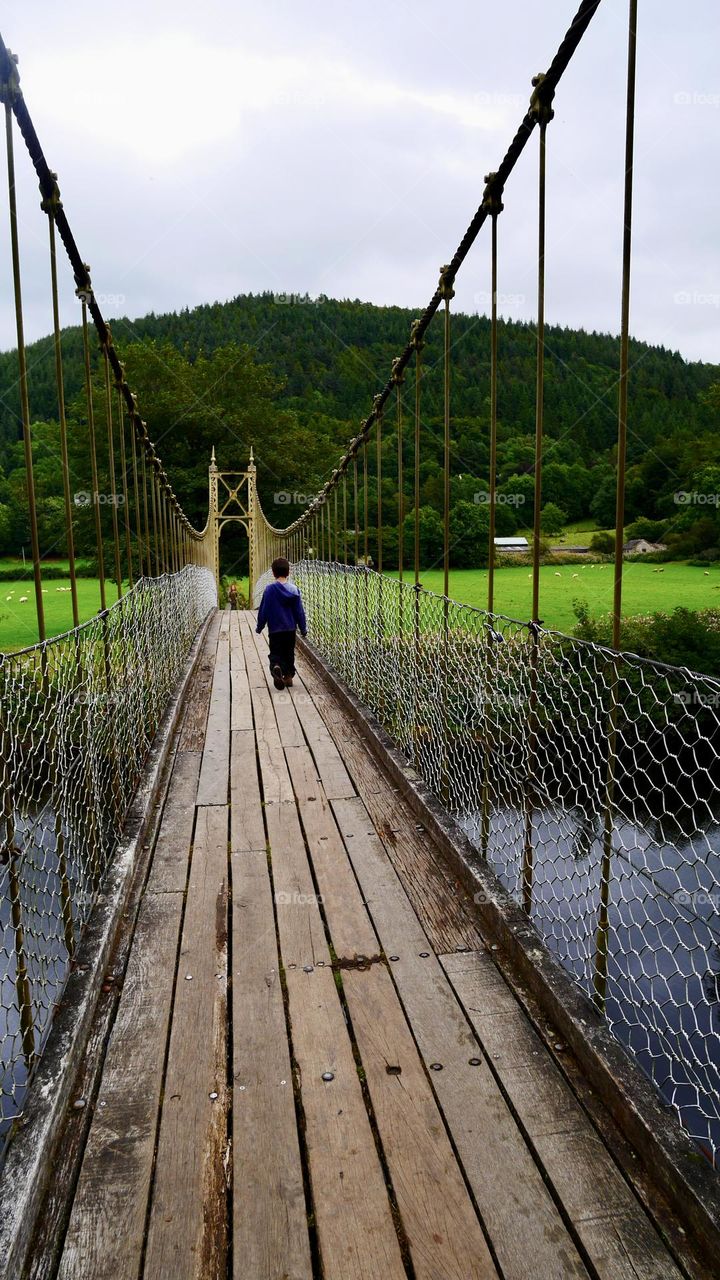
[[408, 970]]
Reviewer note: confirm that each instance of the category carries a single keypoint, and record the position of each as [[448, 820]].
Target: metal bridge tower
[[233, 499]]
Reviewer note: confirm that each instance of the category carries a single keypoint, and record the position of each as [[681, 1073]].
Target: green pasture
[[645, 590], [18, 623]]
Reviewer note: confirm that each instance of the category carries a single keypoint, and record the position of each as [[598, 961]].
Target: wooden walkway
[[316, 1068]]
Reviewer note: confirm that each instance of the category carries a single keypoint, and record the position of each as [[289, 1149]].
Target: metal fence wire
[[77, 716], [588, 779]]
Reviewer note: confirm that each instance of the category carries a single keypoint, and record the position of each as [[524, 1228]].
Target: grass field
[[645, 591], [18, 625]]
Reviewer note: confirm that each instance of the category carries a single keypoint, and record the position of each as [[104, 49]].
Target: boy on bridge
[[282, 609]]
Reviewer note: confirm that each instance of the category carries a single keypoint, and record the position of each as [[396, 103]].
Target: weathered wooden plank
[[106, 1229], [300, 926], [519, 1215], [350, 927], [433, 892], [241, 706], [187, 1236], [336, 774], [283, 709], [384, 893], [197, 702], [256, 673], [276, 784], [215, 767], [247, 829], [335, 778], [298, 721], [277, 787], [168, 873], [627, 1249], [305, 703], [264, 713], [576, 1162], [289, 728], [443, 1232], [270, 1234], [352, 1210]]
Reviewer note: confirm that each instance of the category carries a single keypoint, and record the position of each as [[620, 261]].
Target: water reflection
[[663, 975], [45, 951]]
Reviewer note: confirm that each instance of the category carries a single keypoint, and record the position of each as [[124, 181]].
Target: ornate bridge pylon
[[233, 500]]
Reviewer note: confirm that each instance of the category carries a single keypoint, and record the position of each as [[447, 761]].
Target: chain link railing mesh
[[587, 779], [78, 716]]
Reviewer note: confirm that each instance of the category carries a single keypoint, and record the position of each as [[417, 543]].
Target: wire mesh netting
[[77, 717], [587, 779]]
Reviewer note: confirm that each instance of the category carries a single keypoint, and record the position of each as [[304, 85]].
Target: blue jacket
[[281, 608]]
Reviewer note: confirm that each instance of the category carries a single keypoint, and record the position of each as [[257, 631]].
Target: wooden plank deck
[[317, 1069]]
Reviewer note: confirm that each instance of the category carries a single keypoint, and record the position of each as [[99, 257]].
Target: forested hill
[[295, 376], [333, 356]]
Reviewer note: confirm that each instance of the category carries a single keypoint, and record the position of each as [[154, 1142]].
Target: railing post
[[447, 292], [603, 929], [125, 491], [8, 90], [111, 470], [10, 854], [49, 205], [84, 292], [541, 108], [492, 201], [417, 344]]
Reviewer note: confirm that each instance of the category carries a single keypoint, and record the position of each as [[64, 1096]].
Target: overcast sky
[[206, 150]]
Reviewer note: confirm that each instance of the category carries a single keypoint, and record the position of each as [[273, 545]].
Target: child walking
[[281, 608]]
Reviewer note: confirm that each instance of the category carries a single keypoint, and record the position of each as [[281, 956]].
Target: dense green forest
[[294, 376]]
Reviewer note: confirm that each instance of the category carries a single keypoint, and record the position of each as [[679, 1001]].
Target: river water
[[46, 954], [663, 976]]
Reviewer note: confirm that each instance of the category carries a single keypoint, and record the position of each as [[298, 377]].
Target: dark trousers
[[282, 651]]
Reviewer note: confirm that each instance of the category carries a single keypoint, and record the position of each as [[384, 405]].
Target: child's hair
[[281, 567]]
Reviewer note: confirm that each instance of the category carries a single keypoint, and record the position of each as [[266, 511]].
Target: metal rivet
[[558, 1047], [213, 1096], [241, 1087], [394, 957], [307, 968], [474, 1062], [328, 1075], [292, 966], [79, 1103], [188, 977], [321, 964], [283, 1081], [493, 947], [436, 1066], [103, 1104], [424, 954]]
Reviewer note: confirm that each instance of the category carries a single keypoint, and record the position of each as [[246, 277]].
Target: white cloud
[[204, 150]]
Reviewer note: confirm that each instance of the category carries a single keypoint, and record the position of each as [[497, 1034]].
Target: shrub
[[684, 638], [603, 542]]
